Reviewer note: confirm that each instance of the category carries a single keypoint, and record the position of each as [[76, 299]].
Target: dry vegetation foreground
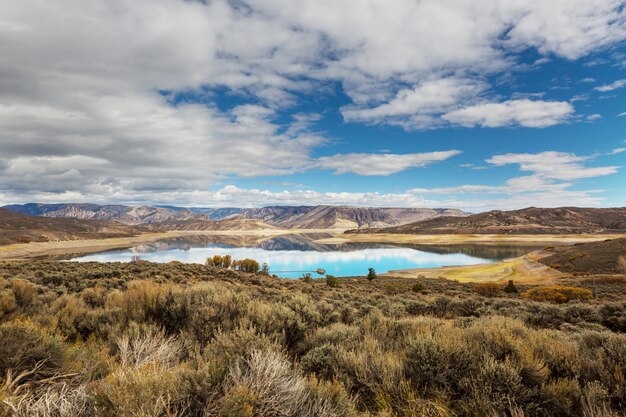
[[143, 339]]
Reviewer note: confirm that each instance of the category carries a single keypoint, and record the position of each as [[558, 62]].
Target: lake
[[291, 256]]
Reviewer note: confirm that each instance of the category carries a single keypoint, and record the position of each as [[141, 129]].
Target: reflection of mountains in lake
[[306, 243], [487, 251]]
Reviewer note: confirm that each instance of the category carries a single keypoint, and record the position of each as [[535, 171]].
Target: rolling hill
[[589, 258], [299, 217], [530, 220], [19, 228], [235, 223]]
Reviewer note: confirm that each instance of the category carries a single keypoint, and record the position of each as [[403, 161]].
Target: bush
[[558, 294], [487, 289], [417, 287], [332, 281]]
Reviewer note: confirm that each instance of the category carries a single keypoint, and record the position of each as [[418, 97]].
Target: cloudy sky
[[424, 103]]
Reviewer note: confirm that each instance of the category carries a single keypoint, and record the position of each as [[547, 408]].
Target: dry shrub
[[94, 297], [59, 400], [139, 298], [24, 291], [487, 289], [8, 304], [148, 347], [265, 385], [558, 294], [148, 391]]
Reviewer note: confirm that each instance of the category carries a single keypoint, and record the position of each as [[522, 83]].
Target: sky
[[497, 104]]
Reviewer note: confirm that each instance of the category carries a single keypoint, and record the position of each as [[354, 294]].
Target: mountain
[[299, 217], [132, 215], [19, 228], [344, 217], [530, 220]]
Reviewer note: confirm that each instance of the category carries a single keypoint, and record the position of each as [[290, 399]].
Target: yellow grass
[[522, 269]]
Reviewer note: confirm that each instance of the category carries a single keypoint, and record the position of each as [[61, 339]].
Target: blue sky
[[218, 103]]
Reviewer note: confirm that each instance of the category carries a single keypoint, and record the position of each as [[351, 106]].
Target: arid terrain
[[17, 228], [299, 217], [144, 339], [532, 220]]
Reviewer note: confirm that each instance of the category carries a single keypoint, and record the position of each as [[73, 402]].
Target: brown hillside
[[235, 223], [588, 258], [530, 220], [18, 228]]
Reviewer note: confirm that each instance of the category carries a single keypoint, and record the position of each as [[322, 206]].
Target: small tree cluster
[[558, 294], [219, 261], [246, 265]]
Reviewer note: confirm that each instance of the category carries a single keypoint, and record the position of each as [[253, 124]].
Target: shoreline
[[525, 269], [453, 239], [23, 251]]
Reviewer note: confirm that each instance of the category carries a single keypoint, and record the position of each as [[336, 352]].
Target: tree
[[371, 274], [332, 281], [265, 269], [511, 288]]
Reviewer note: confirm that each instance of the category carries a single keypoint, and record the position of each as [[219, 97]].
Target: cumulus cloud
[[524, 112], [90, 91], [381, 164]]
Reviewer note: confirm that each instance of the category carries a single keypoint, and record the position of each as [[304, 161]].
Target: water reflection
[[297, 253]]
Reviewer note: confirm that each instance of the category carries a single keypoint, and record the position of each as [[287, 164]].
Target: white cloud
[[429, 98], [96, 81], [526, 113], [381, 164], [613, 86], [622, 114], [553, 165], [593, 117]]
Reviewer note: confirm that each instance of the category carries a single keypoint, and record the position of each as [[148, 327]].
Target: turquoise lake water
[[294, 255]]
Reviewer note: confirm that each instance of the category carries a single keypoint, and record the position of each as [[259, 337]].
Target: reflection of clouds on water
[[340, 263]]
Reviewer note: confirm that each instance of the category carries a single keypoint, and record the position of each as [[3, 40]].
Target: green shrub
[[417, 287], [332, 281], [511, 288], [371, 274]]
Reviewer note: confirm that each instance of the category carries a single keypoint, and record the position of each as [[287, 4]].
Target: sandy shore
[[461, 239], [41, 249], [523, 269]]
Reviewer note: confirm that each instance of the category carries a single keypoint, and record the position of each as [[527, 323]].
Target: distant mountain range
[[19, 228], [299, 217], [530, 220]]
